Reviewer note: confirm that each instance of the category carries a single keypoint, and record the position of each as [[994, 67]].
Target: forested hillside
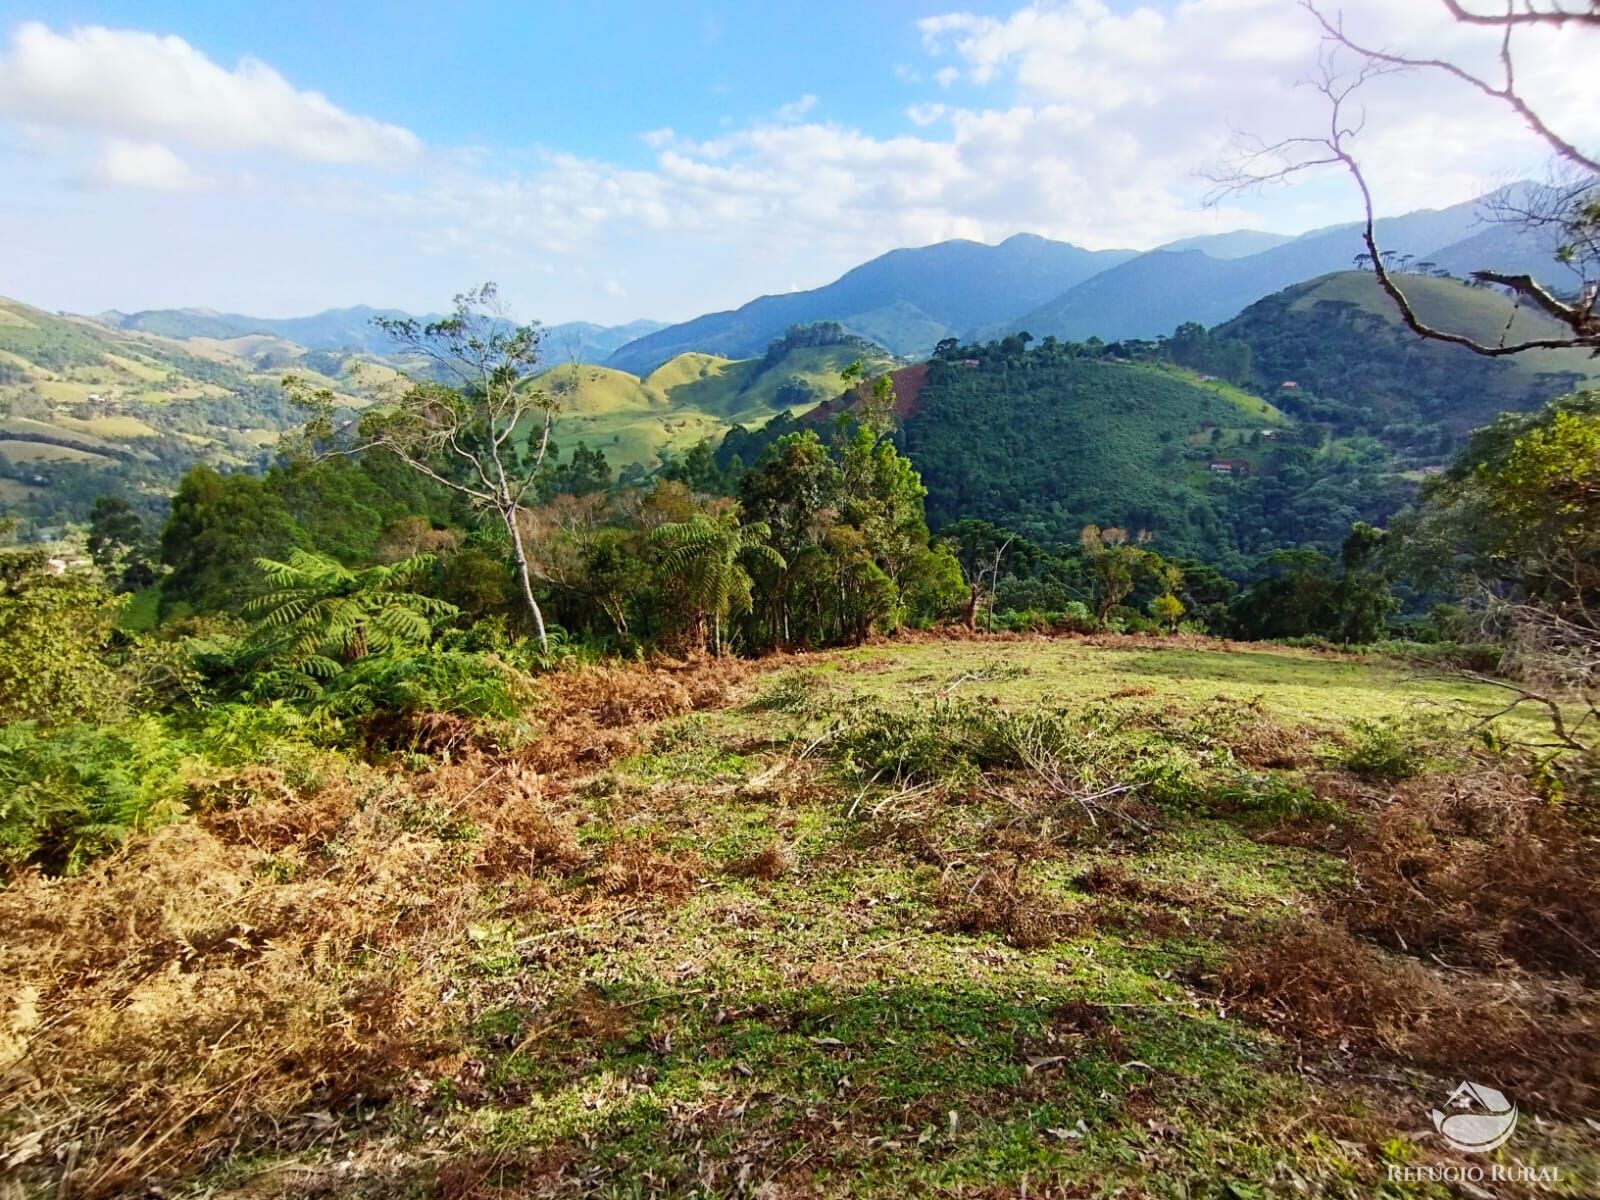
[[1340, 340], [86, 410]]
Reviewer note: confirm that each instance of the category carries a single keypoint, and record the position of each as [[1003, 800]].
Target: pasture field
[[951, 917]]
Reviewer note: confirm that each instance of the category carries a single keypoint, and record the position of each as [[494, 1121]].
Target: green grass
[[23, 452], [1296, 685], [829, 1032]]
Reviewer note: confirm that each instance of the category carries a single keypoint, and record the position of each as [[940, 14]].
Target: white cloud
[[1072, 120], [151, 88], [1098, 125], [796, 110], [143, 165]]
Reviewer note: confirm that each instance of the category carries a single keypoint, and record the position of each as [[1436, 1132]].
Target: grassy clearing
[[24, 452], [873, 923]]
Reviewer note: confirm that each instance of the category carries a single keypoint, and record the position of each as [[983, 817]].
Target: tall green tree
[[219, 525], [473, 425], [120, 544], [56, 629]]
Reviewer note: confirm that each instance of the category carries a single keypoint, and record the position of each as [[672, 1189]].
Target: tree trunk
[[510, 518]]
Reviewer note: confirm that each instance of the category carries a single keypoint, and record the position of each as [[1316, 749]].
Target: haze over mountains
[[909, 299], [905, 300], [352, 329]]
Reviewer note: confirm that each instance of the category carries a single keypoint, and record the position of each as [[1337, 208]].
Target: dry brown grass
[[772, 861], [183, 997], [638, 867], [218, 981], [1482, 870], [1316, 981], [999, 899], [1463, 943]]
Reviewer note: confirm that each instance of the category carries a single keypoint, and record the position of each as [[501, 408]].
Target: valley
[[1067, 668]]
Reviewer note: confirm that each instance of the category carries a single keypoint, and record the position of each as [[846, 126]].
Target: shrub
[[1388, 747], [76, 792], [1077, 618], [54, 634], [1272, 798], [794, 693]]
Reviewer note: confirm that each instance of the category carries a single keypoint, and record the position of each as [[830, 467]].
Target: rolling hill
[[905, 300], [689, 398], [86, 409], [1341, 341], [351, 330]]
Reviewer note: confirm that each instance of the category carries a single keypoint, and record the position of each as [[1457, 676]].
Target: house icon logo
[[1476, 1119]]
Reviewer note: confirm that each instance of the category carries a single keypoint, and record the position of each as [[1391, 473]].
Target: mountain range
[[909, 299], [352, 329], [905, 300]]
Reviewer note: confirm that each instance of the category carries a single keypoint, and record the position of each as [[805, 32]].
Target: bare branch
[[1505, 91], [1555, 14], [1577, 214]]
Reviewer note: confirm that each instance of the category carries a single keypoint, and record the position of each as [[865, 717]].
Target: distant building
[[1290, 385], [1230, 466], [1269, 433], [969, 362]]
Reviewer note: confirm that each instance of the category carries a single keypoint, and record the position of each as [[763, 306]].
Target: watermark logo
[[1476, 1119]]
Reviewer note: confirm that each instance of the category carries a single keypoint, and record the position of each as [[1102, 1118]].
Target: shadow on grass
[[1255, 667], [891, 1090]]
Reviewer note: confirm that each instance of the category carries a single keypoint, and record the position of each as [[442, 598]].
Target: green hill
[[689, 398], [1048, 442], [1341, 341], [86, 408]]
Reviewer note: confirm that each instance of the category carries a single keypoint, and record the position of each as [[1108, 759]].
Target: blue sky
[[608, 161]]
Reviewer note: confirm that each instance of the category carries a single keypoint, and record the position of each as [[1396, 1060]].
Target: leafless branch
[[1505, 91], [1529, 14], [1258, 163]]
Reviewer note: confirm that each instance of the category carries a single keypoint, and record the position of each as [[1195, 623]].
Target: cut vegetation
[[948, 917]]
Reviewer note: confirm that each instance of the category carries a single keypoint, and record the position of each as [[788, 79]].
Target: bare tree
[[470, 423], [1568, 208]]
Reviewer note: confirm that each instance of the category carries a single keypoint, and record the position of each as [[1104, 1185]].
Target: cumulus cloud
[[143, 165], [1092, 125], [160, 89], [1073, 120]]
